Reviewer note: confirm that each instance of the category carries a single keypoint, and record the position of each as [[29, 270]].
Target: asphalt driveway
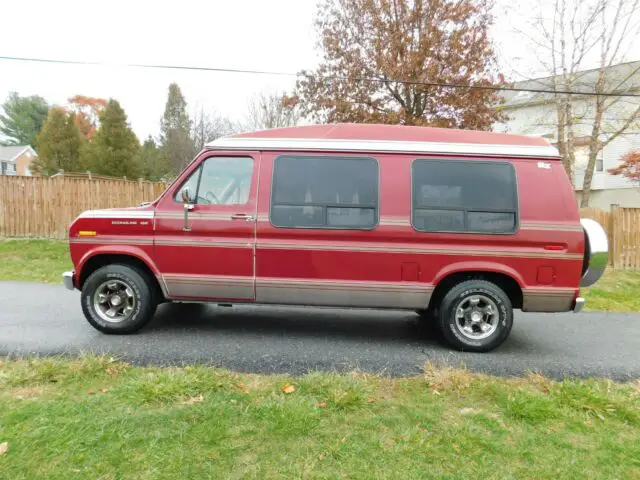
[[46, 319]]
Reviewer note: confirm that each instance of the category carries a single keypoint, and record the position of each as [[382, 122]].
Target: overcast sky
[[274, 35]]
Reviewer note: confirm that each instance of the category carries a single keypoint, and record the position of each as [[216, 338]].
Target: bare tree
[[569, 38], [272, 110], [206, 127]]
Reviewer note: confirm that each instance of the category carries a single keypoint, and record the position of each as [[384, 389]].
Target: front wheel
[[118, 299], [475, 316]]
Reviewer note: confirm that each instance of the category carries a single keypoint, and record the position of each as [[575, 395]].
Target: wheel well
[[99, 261], [505, 282]]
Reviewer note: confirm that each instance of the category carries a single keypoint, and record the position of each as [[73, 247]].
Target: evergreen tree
[[22, 119], [153, 163], [114, 150], [59, 143], [175, 129]]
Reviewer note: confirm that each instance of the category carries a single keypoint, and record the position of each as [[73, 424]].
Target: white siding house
[[535, 114], [16, 159]]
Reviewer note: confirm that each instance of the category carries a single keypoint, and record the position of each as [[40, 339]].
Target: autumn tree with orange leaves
[[87, 113], [629, 168], [368, 46]]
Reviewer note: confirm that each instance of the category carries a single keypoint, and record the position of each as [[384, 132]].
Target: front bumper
[[67, 279], [579, 305]]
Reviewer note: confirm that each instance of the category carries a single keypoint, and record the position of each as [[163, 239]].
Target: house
[[16, 160], [534, 113]]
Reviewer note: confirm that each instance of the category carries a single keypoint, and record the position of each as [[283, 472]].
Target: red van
[[460, 226]]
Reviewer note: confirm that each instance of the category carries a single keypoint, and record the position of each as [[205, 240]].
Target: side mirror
[[186, 196]]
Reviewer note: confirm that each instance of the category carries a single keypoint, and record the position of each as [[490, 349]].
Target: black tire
[[464, 294], [142, 295]]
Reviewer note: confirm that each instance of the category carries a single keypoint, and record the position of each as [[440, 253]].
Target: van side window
[[464, 196], [220, 181], [324, 192]]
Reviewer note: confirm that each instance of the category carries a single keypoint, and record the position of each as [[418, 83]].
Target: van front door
[[206, 251]]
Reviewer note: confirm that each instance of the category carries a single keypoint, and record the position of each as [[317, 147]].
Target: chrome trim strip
[[114, 213], [418, 249], [188, 242], [345, 145], [113, 240], [207, 279], [559, 227], [343, 284], [194, 215], [579, 305]]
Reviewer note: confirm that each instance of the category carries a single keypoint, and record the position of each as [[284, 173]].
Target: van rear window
[[325, 192], [464, 196]]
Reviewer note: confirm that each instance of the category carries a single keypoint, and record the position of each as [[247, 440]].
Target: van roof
[[351, 137]]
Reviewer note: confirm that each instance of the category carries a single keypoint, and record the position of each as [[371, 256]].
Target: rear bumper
[[577, 308], [67, 279]]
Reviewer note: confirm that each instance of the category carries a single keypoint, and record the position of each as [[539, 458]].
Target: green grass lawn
[[45, 260], [94, 417]]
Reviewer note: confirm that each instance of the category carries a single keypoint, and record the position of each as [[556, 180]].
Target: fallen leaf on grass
[[467, 411], [288, 388], [193, 400], [243, 387], [4, 447], [322, 404], [321, 456]]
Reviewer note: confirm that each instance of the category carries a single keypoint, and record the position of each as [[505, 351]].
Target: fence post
[[613, 235]]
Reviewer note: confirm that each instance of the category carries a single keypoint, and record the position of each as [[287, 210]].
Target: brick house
[[16, 160]]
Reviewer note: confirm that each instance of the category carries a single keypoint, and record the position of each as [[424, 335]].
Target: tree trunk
[[588, 177], [570, 153]]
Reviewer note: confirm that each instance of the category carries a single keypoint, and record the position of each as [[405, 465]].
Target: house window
[[581, 154], [325, 192], [463, 196], [3, 168]]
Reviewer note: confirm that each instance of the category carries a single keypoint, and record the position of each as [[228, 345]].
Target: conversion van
[[461, 227]]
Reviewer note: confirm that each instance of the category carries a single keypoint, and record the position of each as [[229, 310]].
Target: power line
[[321, 77]]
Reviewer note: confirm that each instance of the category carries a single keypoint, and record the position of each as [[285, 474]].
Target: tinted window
[[461, 196], [220, 181], [325, 192]]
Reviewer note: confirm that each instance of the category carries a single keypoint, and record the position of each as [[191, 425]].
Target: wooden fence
[[45, 207], [623, 230]]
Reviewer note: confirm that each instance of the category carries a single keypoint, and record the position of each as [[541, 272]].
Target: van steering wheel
[[213, 198]]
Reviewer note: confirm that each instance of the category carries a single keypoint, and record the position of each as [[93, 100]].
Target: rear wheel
[[118, 299], [475, 316]]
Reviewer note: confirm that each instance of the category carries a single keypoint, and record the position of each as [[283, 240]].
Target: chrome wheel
[[477, 317], [114, 301]]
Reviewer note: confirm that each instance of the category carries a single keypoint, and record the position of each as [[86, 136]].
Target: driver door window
[[220, 181]]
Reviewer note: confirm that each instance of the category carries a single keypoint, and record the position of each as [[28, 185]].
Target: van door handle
[[242, 216]]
